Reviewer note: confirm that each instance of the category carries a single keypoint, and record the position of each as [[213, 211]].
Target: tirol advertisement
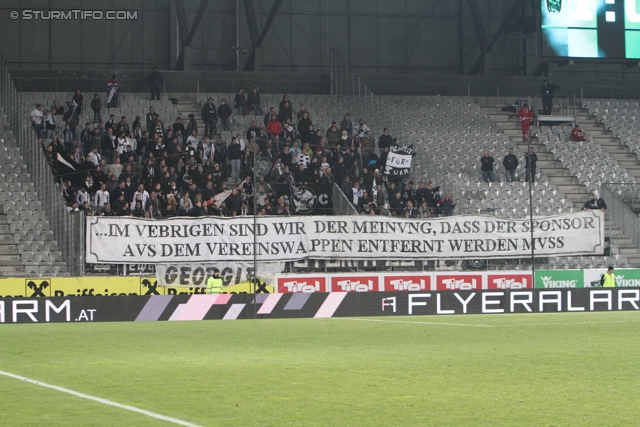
[[403, 281], [450, 281]]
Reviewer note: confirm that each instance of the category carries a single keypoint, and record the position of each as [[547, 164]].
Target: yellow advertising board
[[13, 288], [105, 285]]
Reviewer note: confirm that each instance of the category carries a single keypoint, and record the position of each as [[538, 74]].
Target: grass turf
[[510, 370]]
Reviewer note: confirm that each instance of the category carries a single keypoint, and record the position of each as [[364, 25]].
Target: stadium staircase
[[577, 190], [615, 122]]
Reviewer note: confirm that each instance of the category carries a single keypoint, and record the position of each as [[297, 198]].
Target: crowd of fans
[[149, 168]]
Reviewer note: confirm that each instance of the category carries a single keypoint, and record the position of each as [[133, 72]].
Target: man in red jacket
[[274, 127], [577, 134], [525, 115]]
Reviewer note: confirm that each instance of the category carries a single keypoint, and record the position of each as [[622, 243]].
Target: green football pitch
[[577, 369]]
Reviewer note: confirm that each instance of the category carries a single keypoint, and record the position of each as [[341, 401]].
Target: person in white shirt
[[357, 193], [323, 166], [50, 124], [122, 144], [207, 151], [115, 168], [361, 129], [192, 141], [242, 142], [36, 119], [82, 196], [95, 157], [132, 141], [102, 196], [143, 194]]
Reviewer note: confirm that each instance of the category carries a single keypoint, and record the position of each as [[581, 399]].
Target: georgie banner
[[232, 273], [196, 240]]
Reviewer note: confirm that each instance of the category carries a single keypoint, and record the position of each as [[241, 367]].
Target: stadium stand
[[449, 135]]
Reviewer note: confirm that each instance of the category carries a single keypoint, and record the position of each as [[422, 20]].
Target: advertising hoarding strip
[[233, 312], [297, 301], [93, 286], [177, 311], [269, 304], [222, 299], [154, 308], [261, 298], [197, 307], [338, 304], [331, 304]]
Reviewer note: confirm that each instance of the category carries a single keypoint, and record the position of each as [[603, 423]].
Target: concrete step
[[9, 259], [549, 164], [628, 251], [626, 158], [561, 176], [512, 133], [9, 274]]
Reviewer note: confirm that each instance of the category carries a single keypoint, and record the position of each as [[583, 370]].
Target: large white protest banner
[[213, 240], [206, 239], [454, 237]]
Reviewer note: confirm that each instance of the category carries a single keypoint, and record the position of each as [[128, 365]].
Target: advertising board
[[314, 305]]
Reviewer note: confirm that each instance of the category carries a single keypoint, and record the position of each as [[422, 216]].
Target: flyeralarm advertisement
[[152, 308]]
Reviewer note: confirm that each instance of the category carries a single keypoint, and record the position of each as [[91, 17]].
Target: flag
[[316, 199], [68, 169], [399, 161]]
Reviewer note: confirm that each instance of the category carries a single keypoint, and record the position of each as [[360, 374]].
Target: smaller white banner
[[191, 275]]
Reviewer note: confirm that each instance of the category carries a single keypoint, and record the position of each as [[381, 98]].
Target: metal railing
[[561, 105], [342, 205], [360, 101], [173, 83], [621, 215], [68, 230]]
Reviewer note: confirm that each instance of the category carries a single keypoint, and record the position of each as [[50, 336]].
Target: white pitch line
[[101, 400], [484, 326]]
